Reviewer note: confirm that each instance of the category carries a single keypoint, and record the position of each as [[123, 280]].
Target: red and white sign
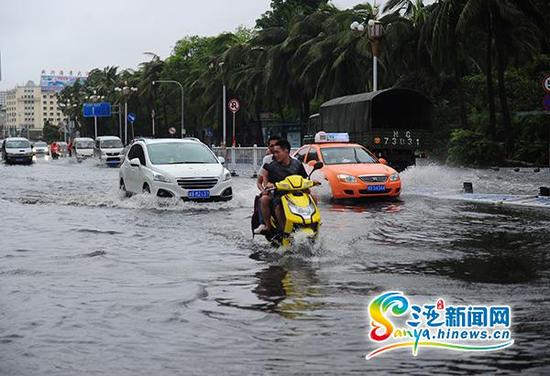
[[546, 84], [172, 130], [234, 105]]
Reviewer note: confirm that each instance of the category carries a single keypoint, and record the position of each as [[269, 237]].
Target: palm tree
[[510, 20]]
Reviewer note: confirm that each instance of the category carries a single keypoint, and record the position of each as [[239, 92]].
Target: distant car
[[109, 149], [351, 170], [40, 148], [83, 148], [17, 150], [180, 168]]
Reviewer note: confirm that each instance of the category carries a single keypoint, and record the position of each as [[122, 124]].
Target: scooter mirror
[[318, 166]]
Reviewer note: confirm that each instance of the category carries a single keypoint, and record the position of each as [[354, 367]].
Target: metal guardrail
[[242, 160]]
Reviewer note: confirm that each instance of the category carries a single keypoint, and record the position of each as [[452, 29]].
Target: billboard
[[58, 82]]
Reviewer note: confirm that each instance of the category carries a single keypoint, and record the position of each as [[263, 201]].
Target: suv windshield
[[180, 152], [346, 155], [111, 144], [84, 144], [18, 144]]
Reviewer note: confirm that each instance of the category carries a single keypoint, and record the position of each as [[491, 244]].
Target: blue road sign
[[88, 110], [131, 117], [102, 109], [546, 102]]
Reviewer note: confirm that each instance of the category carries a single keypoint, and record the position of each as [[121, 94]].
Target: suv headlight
[[226, 175], [394, 176], [305, 212], [160, 177], [347, 178]]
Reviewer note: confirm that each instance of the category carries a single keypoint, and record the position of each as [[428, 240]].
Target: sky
[[80, 35]]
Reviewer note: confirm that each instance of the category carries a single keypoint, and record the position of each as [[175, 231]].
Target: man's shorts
[[276, 198]]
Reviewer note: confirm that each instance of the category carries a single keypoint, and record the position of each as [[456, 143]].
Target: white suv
[[182, 168]]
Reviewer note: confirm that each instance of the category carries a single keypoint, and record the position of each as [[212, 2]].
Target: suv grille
[[197, 183], [374, 179]]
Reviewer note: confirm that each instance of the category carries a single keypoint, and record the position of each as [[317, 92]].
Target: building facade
[[3, 95], [3, 130], [24, 111]]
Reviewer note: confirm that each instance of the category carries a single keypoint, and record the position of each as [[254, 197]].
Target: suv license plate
[[198, 194]]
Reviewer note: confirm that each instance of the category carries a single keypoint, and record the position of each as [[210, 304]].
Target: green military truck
[[394, 123]]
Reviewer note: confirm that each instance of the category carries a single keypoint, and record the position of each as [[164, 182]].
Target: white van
[[17, 150], [109, 150], [83, 148]]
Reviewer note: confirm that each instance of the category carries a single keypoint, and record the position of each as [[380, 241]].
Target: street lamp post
[[67, 106], [375, 30], [182, 101], [126, 91], [95, 98], [224, 96]]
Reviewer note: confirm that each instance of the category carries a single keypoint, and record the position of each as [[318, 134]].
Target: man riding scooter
[[54, 150], [279, 169]]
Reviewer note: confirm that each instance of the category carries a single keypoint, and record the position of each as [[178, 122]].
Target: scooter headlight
[[303, 211]]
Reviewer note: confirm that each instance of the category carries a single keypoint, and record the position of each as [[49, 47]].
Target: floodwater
[[95, 284]]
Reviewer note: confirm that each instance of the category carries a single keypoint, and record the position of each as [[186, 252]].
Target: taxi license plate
[[376, 188], [198, 194]]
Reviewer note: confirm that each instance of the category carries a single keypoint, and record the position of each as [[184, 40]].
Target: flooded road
[[92, 283]]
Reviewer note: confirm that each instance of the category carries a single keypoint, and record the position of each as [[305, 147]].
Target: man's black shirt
[[277, 172]]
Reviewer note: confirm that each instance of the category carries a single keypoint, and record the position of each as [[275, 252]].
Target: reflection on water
[[143, 286]]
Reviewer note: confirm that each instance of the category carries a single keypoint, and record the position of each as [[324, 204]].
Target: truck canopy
[[395, 108]]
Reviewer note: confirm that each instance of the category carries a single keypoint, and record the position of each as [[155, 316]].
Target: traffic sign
[[546, 102], [102, 109], [546, 84], [131, 117], [172, 130], [234, 105]]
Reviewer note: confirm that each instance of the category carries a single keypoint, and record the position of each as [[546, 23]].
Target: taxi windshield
[[346, 155]]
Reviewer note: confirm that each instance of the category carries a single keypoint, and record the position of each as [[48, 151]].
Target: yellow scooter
[[301, 213]]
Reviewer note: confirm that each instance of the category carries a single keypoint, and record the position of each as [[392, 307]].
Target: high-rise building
[[23, 110], [28, 107], [3, 95], [3, 119]]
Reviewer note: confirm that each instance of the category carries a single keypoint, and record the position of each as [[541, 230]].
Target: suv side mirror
[[135, 162], [221, 159]]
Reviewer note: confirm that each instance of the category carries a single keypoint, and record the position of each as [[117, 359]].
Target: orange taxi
[[351, 170]]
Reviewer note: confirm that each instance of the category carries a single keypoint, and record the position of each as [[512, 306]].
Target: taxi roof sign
[[322, 137]]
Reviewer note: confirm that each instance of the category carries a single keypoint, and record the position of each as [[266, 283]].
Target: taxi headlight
[[347, 178], [306, 211], [160, 177], [394, 176]]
